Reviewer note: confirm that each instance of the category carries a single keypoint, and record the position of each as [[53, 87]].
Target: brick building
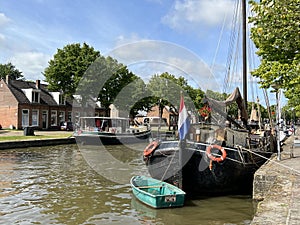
[[26, 103], [168, 113]]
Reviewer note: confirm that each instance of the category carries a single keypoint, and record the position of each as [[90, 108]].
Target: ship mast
[[244, 50]]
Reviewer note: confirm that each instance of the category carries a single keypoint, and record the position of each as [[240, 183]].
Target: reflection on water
[[56, 185]]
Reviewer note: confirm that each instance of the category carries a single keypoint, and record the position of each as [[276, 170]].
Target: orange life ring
[[150, 148], [213, 158]]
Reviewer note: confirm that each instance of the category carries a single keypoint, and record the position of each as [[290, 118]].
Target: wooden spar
[[154, 186], [244, 51]]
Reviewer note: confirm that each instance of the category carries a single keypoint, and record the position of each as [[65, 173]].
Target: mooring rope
[[173, 156], [273, 161]]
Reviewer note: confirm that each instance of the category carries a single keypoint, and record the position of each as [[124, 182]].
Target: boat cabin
[[104, 124]]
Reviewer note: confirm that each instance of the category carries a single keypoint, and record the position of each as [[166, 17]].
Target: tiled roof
[[16, 87]]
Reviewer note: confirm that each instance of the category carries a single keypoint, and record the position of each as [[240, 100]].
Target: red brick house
[[168, 113], [26, 103]]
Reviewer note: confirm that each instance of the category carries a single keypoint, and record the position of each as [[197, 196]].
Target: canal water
[[68, 184]]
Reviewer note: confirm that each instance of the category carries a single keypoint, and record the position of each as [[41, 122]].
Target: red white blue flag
[[183, 120]]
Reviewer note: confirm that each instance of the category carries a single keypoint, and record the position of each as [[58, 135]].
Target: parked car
[[66, 126], [154, 121]]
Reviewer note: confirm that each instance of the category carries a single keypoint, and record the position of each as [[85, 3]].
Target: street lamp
[[160, 114], [276, 87]]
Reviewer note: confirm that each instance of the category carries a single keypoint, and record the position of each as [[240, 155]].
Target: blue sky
[[150, 36]]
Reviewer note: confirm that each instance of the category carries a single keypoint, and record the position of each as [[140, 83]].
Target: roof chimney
[[7, 79], [37, 84]]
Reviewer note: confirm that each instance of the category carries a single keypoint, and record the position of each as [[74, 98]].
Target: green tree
[[134, 97], [216, 95], [68, 66], [119, 78], [166, 90], [232, 110], [104, 81], [161, 91], [9, 69], [195, 94], [275, 33]]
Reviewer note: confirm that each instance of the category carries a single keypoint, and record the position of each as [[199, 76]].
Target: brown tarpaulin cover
[[235, 97]]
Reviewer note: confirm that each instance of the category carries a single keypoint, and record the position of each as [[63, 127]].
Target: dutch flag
[[183, 120]]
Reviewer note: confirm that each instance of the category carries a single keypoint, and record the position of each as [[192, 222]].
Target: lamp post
[[293, 119], [277, 92], [160, 114]]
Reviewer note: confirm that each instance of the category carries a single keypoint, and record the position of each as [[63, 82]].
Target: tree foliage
[[232, 110], [82, 71], [276, 34], [67, 67], [119, 79], [10, 70], [134, 97], [166, 90], [104, 81], [289, 113]]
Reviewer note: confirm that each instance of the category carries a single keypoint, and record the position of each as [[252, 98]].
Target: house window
[[45, 119], [69, 116], [62, 100], [35, 117], [77, 114], [25, 117], [53, 118], [62, 116], [35, 97]]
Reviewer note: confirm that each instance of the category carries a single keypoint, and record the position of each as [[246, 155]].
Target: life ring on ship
[[150, 148], [213, 158]]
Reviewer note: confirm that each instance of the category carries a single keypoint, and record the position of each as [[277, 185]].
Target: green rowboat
[[156, 193]]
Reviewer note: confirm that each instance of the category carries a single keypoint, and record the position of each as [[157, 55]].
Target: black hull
[[232, 176], [112, 139]]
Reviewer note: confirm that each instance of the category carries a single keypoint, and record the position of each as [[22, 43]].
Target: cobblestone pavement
[[281, 204]]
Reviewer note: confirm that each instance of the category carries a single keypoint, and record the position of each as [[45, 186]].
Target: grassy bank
[[16, 135]]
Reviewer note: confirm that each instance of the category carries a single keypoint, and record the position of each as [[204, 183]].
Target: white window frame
[[37, 117], [45, 112], [62, 99], [69, 116], [25, 120], [34, 95], [54, 123], [62, 116]]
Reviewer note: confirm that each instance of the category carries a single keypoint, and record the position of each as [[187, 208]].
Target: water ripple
[[55, 185]]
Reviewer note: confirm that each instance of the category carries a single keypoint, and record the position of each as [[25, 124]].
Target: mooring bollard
[[292, 151]]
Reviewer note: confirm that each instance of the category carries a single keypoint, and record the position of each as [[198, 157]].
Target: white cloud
[[148, 57], [188, 14], [2, 38], [31, 64], [15, 45], [3, 20], [123, 40]]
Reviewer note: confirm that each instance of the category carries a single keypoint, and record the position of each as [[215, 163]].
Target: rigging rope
[[163, 176], [268, 108], [255, 153], [232, 40], [273, 161], [218, 45]]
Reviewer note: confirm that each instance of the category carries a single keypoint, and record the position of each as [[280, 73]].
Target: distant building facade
[[26, 103], [168, 113]]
